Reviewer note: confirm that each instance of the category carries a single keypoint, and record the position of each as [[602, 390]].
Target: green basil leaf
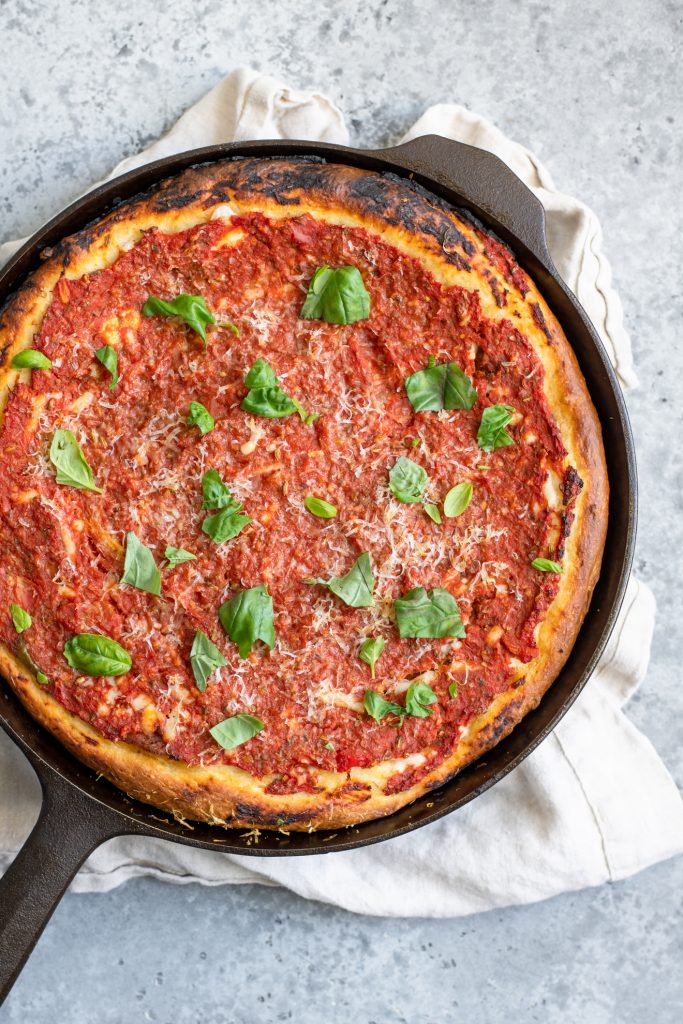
[[190, 308], [92, 654], [430, 614], [545, 565], [266, 398], [418, 696], [371, 650], [492, 433], [42, 678], [107, 356], [336, 296], [329, 745], [20, 618], [70, 462], [354, 589], [378, 708], [320, 508], [407, 480], [139, 568], [31, 359], [235, 731], [176, 556], [433, 512], [453, 689], [200, 417], [204, 658], [457, 499], [225, 525], [248, 617], [440, 386], [216, 494]]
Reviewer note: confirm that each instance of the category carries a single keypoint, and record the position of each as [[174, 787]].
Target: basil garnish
[[320, 508], [248, 617], [417, 697], [235, 731], [371, 650], [190, 308], [378, 708], [201, 417], [430, 614], [204, 658], [492, 433], [20, 618], [453, 689], [355, 589], [336, 296], [433, 512], [31, 359], [407, 480], [329, 745], [227, 523], [70, 462], [440, 386], [457, 499], [266, 398], [176, 556], [107, 356], [42, 678], [545, 565], [139, 568], [92, 654]]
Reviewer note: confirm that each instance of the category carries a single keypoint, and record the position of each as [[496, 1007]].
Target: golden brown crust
[[455, 251]]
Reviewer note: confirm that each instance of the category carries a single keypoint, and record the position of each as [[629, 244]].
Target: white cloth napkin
[[594, 802]]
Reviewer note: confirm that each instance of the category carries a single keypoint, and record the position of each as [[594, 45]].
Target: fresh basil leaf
[[418, 696], [107, 356], [457, 499], [545, 565], [430, 614], [329, 745], [407, 480], [235, 731], [139, 568], [433, 512], [371, 650], [200, 417], [176, 556], [320, 508], [204, 658], [354, 589], [20, 618], [492, 433], [336, 296], [248, 617], [215, 493], [440, 386], [266, 398], [70, 462], [378, 708], [453, 689], [190, 308], [225, 525], [31, 359], [92, 654], [42, 678]]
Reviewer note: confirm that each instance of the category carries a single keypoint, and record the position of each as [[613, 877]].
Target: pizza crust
[[454, 251]]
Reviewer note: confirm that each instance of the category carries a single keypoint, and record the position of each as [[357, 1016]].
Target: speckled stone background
[[596, 89]]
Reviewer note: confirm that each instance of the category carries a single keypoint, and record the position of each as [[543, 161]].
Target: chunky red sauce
[[63, 548]]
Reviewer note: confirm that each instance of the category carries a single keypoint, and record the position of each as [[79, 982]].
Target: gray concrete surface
[[596, 89]]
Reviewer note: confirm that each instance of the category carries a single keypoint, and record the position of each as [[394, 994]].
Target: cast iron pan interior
[[80, 811]]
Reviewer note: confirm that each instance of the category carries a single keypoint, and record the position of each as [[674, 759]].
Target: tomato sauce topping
[[63, 548]]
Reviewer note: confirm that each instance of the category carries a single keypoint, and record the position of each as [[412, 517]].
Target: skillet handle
[[70, 826], [489, 184]]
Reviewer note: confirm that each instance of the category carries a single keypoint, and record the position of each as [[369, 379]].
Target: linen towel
[[594, 802]]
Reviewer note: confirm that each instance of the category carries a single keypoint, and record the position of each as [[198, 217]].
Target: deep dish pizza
[[302, 494]]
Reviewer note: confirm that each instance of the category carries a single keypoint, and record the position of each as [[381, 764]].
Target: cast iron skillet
[[80, 811]]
